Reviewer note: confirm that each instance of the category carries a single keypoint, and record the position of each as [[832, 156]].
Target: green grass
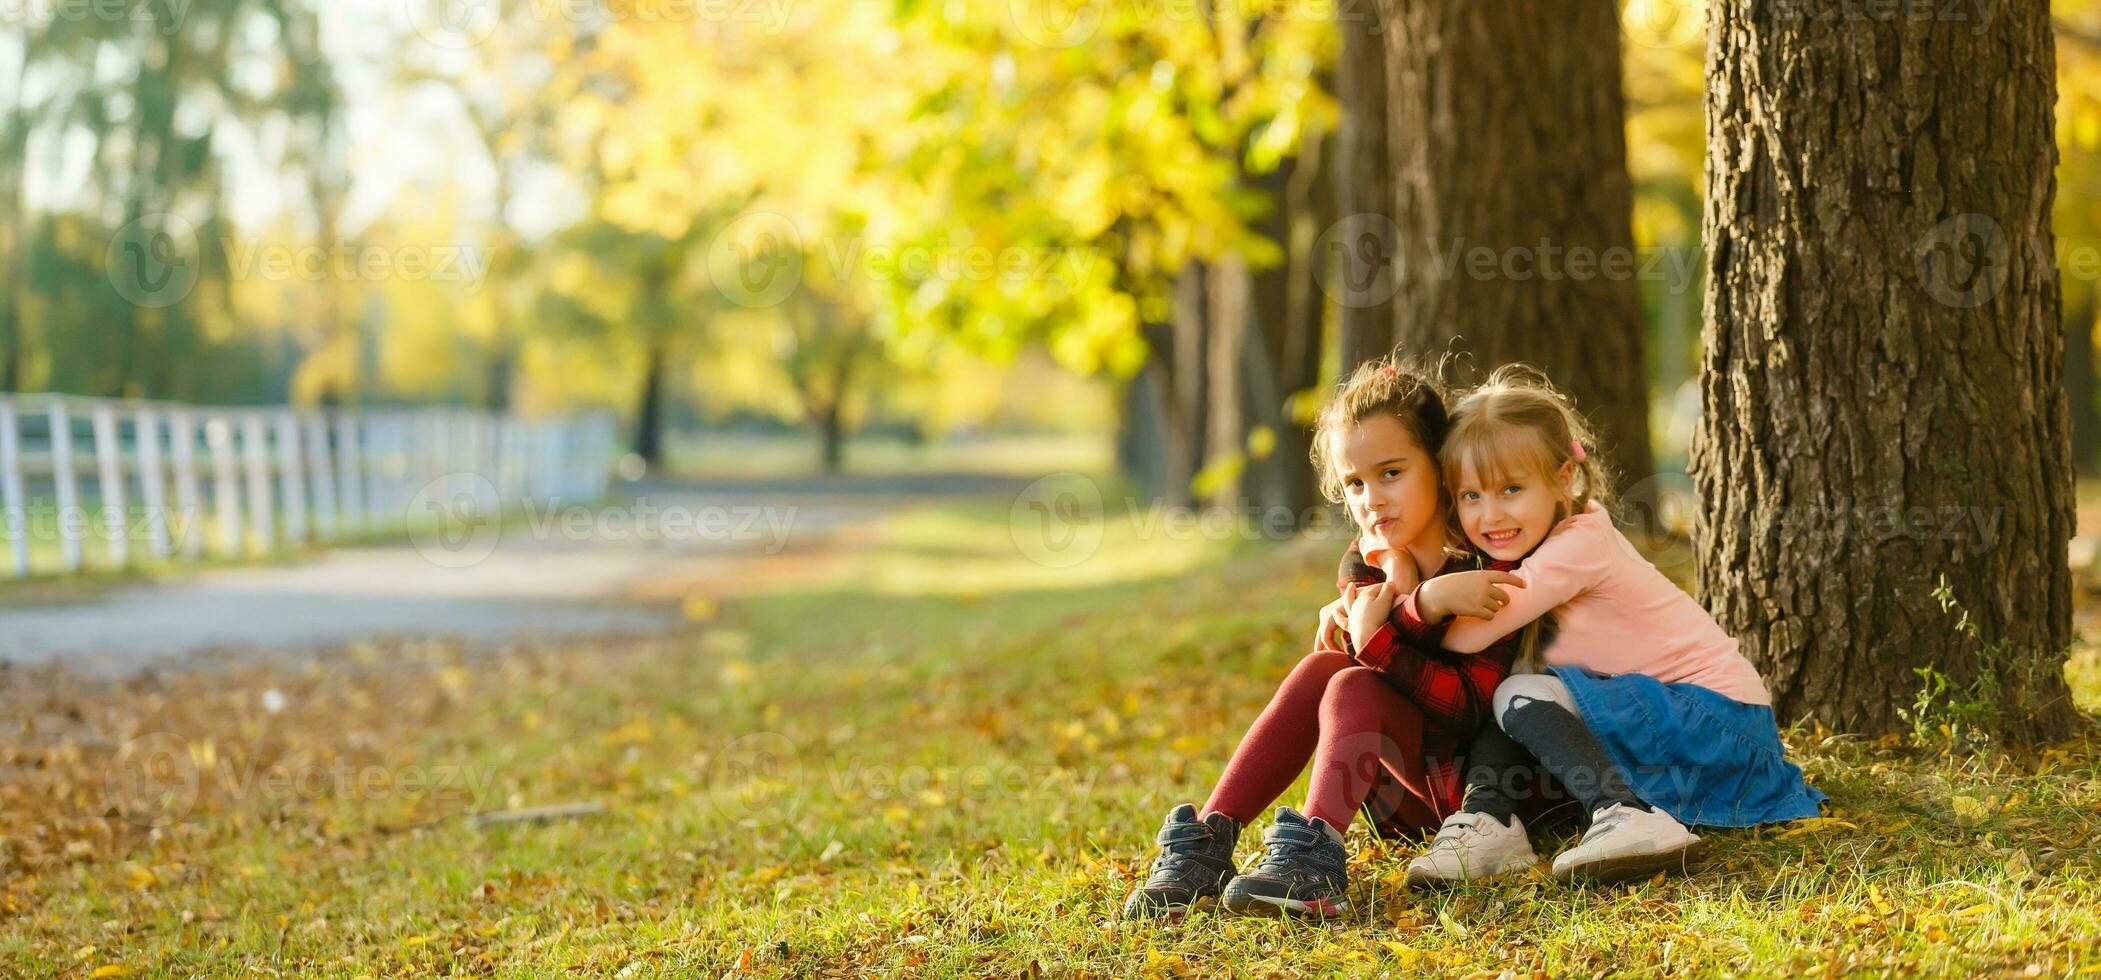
[[930, 757]]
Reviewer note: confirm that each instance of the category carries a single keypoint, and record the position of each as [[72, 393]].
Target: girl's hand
[[1369, 609], [1331, 632], [1478, 594]]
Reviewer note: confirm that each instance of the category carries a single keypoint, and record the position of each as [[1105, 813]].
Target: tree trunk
[[649, 414], [1363, 243], [2079, 380], [1191, 377], [1299, 358], [16, 232], [1884, 411], [1226, 293], [831, 431], [496, 390], [1268, 304], [1142, 449], [1508, 142]]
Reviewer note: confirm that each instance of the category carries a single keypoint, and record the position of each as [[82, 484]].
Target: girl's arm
[[1355, 569], [1451, 689], [1571, 561]]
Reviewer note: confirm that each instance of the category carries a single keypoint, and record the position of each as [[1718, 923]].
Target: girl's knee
[[1533, 687], [1351, 681], [1324, 664], [1359, 692]]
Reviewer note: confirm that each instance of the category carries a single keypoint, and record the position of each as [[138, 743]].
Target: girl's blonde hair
[[1387, 386], [1518, 424]]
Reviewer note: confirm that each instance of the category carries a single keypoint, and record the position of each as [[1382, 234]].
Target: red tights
[[1365, 741]]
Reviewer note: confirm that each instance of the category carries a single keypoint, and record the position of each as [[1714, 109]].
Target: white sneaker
[[1624, 843], [1471, 846]]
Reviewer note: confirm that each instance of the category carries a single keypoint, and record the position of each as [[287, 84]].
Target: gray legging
[[1539, 713], [1537, 687]]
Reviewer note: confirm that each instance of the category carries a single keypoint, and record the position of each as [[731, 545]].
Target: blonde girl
[[1642, 708]]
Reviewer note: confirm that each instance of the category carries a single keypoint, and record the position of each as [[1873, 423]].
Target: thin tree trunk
[[1508, 141], [1227, 293], [1191, 376], [1884, 413], [2079, 380], [1364, 240], [17, 232], [649, 414], [1142, 432], [1268, 304], [832, 432], [1299, 360], [496, 388]]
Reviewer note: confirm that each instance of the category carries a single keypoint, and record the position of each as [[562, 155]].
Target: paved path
[[577, 572]]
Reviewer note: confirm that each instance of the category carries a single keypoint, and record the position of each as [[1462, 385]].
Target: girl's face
[[1508, 515], [1389, 482]]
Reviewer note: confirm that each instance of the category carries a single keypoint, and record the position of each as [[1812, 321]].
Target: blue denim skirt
[[1702, 757]]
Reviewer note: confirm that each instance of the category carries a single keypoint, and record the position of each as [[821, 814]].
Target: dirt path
[[620, 568]]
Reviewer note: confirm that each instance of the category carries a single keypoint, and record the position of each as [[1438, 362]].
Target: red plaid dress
[[1452, 689]]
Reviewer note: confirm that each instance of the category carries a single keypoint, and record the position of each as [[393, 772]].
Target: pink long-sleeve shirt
[[1614, 614]]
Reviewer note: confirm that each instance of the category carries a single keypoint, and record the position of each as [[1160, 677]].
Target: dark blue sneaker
[[1196, 860], [1304, 871]]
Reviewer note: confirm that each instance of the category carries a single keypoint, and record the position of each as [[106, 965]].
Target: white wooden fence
[[170, 482]]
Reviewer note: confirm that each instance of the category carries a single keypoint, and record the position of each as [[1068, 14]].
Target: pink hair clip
[[1575, 448], [1390, 371]]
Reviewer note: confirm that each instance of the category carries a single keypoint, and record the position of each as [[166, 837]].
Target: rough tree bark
[[1362, 240], [1884, 409], [1508, 146], [1295, 339]]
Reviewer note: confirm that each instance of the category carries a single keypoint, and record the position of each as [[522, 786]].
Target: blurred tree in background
[[838, 216]]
